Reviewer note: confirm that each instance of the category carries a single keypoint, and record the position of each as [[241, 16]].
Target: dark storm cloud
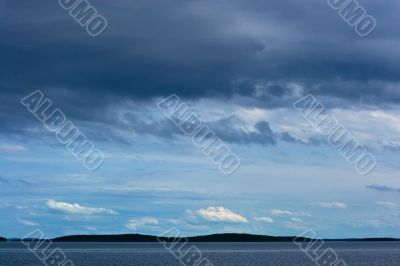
[[194, 49]]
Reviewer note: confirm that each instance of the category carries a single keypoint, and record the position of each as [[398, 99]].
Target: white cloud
[[76, 208], [297, 220], [91, 228], [277, 212], [12, 148], [26, 222], [134, 224], [295, 224], [220, 214], [331, 205], [264, 219]]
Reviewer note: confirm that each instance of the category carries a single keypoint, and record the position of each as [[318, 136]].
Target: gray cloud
[[194, 49], [11, 182], [383, 188], [227, 129]]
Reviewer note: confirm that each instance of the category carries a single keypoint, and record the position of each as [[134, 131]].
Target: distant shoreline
[[206, 238]]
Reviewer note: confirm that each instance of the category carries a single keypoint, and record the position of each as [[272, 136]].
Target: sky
[[240, 66]]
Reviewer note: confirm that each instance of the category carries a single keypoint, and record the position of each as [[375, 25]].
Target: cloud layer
[[240, 65]]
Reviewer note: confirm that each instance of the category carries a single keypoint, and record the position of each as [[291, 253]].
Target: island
[[149, 238], [227, 237], [2, 239]]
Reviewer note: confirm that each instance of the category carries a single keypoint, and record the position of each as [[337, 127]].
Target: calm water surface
[[224, 254]]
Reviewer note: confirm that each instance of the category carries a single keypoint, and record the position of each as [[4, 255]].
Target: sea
[[224, 254]]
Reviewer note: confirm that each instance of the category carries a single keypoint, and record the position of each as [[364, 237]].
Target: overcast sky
[[240, 65]]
